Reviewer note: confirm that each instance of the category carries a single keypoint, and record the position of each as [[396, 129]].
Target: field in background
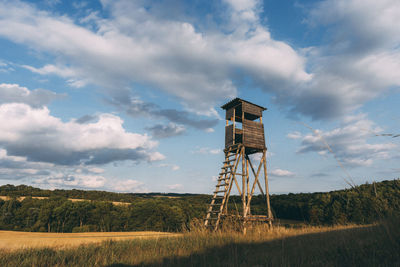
[[372, 245], [117, 203], [11, 240]]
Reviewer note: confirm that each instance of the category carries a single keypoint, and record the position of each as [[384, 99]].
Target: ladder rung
[[213, 211], [226, 167], [236, 173], [216, 204], [218, 197], [221, 184], [227, 161], [232, 147], [219, 191]]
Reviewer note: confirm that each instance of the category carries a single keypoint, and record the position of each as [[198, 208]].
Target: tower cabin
[[244, 125]]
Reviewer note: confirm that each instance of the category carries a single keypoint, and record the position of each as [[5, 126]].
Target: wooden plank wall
[[253, 134], [229, 113], [228, 135], [248, 108]]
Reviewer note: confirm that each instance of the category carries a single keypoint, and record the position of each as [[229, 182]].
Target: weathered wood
[[240, 143], [243, 184], [229, 113], [258, 182], [251, 109], [228, 135], [255, 181], [266, 187]]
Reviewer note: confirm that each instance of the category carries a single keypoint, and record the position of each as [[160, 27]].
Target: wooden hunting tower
[[244, 135]]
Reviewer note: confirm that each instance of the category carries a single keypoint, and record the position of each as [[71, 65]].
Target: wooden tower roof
[[238, 101]]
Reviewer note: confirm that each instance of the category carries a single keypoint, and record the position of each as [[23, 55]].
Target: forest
[[362, 204]]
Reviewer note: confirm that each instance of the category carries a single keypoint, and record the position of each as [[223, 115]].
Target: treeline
[[173, 212], [57, 214], [363, 204], [25, 190]]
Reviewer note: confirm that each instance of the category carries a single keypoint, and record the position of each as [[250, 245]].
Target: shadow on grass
[[363, 246]]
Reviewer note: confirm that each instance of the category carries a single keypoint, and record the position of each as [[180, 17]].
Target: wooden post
[[248, 187], [234, 125], [252, 141], [244, 175], [243, 183], [266, 189]]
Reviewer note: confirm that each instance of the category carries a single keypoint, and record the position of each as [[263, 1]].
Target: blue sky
[[125, 95]]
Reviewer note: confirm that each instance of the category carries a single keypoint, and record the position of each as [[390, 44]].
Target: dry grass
[[352, 245], [11, 240], [117, 203]]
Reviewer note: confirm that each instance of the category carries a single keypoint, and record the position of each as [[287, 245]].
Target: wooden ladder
[[219, 201]]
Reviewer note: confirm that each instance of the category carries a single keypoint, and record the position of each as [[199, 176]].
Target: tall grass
[[375, 245]]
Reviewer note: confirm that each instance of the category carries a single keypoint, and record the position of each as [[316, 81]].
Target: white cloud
[[96, 170], [199, 66], [165, 131], [68, 73], [281, 173], [35, 134], [134, 45], [360, 61], [5, 67], [13, 93], [349, 142], [71, 181], [294, 135], [207, 150], [173, 167]]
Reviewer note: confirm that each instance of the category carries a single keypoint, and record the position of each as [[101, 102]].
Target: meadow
[[15, 240], [351, 245]]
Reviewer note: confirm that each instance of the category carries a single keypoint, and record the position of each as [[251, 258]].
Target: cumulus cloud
[[137, 108], [359, 61], [165, 131], [14, 93], [133, 45], [281, 173], [48, 175], [38, 136], [349, 142]]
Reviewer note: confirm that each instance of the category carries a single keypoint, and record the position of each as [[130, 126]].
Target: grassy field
[[11, 240], [374, 245], [118, 203]]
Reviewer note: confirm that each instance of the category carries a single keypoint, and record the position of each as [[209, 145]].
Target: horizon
[[125, 96], [185, 193]]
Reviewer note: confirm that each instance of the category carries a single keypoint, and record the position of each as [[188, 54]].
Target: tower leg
[[267, 190]]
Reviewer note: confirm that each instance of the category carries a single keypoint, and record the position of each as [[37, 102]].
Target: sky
[[125, 96]]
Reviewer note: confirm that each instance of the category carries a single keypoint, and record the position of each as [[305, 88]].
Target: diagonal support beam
[[255, 182], [258, 182]]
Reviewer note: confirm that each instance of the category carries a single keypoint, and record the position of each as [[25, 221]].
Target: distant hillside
[[363, 204], [33, 209]]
